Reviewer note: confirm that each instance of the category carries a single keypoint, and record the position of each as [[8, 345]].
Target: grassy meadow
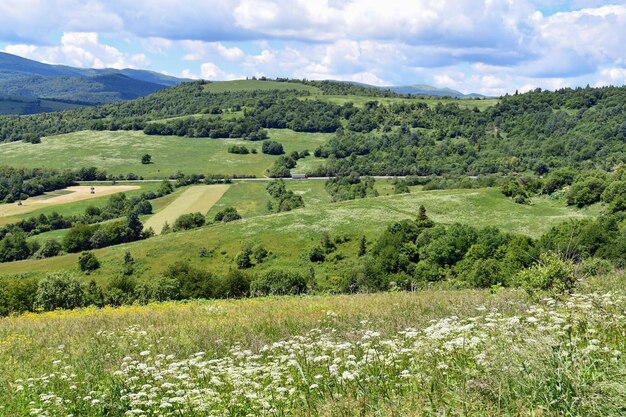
[[120, 152], [288, 236], [360, 101], [252, 85], [430, 353]]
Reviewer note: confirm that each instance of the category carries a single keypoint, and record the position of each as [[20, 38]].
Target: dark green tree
[[87, 262]]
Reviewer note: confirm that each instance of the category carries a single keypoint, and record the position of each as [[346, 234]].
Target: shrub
[[229, 214], [236, 149], [551, 273], [485, 273], [271, 147], [51, 247], [193, 282], [244, 258], [279, 282], [586, 191], [316, 254], [235, 284], [189, 221], [59, 291], [162, 289], [88, 262], [17, 295]]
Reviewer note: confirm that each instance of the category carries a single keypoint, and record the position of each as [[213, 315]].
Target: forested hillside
[[537, 132], [32, 80]]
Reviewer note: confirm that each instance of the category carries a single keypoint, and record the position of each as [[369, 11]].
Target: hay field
[[195, 199], [66, 195]]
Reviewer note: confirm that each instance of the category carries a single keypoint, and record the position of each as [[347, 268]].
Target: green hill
[[289, 236], [25, 105], [31, 79]]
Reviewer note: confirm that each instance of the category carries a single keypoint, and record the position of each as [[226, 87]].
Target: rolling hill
[[25, 78]]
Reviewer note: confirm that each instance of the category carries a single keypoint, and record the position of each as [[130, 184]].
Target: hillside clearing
[[199, 198], [255, 85], [66, 195], [120, 152]]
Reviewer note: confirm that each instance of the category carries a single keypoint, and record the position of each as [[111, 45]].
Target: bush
[[17, 295], [88, 262], [121, 290], [229, 214], [193, 282], [485, 273], [316, 254], [189, 221], [585, 192], [162, 289], [243, 260], [551, 273], [237, 149], [59, 291], [279, 282], [271, 147], [235, 284], [50, 248]]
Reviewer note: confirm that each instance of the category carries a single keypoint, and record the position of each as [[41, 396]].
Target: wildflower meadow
[[467, 353]]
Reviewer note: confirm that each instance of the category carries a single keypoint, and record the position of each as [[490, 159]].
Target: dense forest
[[534, 132]]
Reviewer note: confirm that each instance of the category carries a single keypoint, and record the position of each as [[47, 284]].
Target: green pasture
[[254, 85], [76, 208], [120, 152], [250, 197], [360, 101], [290, 235]]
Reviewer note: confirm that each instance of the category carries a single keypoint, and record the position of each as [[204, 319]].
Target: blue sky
[[490, 46]]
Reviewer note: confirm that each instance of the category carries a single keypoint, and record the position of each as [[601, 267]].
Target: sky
[[490, 47]]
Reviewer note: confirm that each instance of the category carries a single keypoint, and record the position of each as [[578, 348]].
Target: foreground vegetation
[[458, 353]]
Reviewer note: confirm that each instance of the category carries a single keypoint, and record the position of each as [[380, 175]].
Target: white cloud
[[488, 46], [210, 71], [80, 49], [186, 73], [613, 76], [199, 50]]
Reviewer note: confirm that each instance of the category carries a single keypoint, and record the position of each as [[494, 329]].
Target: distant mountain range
[[428, 90], [28, 86], [45, 87], [423, 90]]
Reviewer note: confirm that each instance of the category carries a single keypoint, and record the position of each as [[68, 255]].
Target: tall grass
[[465, 353]]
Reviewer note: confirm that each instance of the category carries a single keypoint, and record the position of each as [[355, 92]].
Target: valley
[[371, 238]]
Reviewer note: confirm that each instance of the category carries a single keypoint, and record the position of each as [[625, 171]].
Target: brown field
[[67, 195]]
